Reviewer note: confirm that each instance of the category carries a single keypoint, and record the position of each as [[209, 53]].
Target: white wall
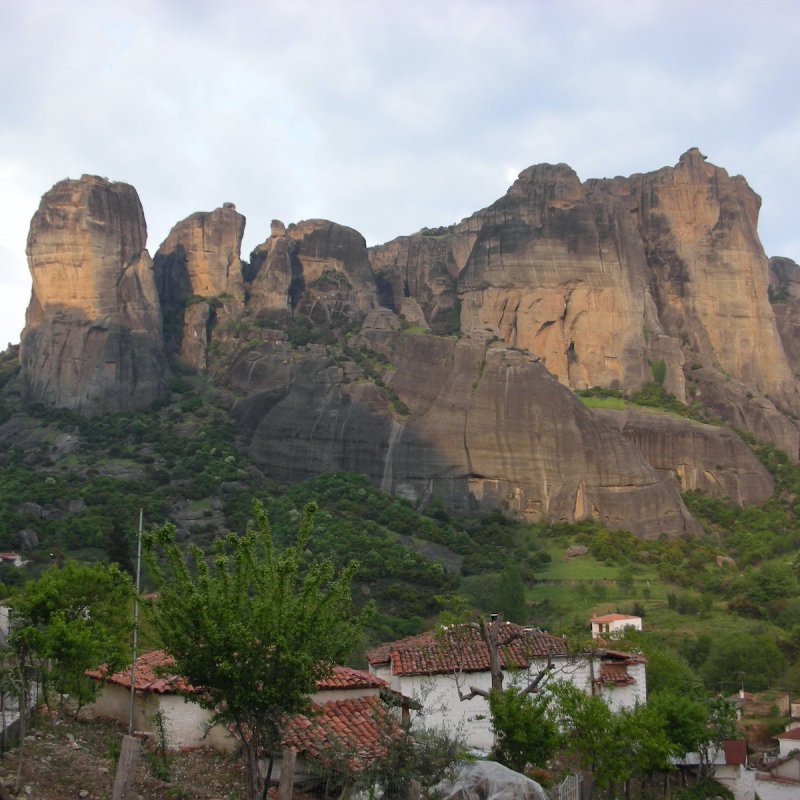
[[773, 790], [438, 695]]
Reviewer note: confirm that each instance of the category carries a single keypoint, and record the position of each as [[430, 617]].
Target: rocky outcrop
[[479, 426], [606, 278], [93, 339], [784, 294], [706, 457], [316, 270], [198, 271]]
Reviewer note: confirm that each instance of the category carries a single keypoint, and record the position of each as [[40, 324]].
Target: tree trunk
[[253, 774], [287, 774]]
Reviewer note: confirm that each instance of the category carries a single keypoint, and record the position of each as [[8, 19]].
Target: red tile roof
[[794, 733], [461, 649], [356, 730], [153, 674], [613, 618], [347, 678], [616, 674]]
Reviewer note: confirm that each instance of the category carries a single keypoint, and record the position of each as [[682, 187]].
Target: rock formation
[[92, 340], [315, 270], [477, 425], [558, 285], [602, 279], [198, 271], [706, 457]]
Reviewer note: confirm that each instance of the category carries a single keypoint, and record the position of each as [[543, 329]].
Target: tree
[[71, 619], [614, 747], [525, 728], [255, 629], [750, 660]]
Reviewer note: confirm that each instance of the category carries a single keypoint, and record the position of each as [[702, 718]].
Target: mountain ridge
[[338, 356]]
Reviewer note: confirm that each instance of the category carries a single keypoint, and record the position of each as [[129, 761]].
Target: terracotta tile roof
[[793, 734], [347, 678], [613, 618], [357, 730], [462, 649], [152, 674], [616, 674]]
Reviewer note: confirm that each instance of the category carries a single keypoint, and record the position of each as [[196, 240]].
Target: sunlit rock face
[[92, 340], [603, 279]]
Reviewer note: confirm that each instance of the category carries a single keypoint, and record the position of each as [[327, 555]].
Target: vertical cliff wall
[[92, 340]]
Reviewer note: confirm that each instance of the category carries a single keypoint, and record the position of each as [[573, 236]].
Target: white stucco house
[[350, 714], [432, 668], [609, 626]]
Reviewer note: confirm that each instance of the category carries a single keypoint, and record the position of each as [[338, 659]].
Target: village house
[[435, 667], [350, 713], [610, 626]]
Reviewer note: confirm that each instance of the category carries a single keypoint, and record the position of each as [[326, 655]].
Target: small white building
[[433, 668], [610, 626], [788, 742], [350, 714]]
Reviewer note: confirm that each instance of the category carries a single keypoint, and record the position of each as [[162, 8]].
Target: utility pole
[[129, 756]]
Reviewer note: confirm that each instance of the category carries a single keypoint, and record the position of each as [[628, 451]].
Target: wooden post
[[286, 784], [126, 768]]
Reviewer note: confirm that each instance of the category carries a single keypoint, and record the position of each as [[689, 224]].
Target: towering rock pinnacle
[[198, 271], [92, 340]]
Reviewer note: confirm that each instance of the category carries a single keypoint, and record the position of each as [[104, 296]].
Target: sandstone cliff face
[[198, 271], [604, 278], [315, 269], [705, 457], [481, 427], [92, 340]]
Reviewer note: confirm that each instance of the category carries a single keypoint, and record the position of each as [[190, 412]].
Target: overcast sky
[[384, 116]]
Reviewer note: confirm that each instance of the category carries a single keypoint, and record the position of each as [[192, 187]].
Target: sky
[[382, 115]]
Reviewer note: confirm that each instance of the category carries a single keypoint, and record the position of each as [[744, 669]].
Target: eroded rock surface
[[198, 272], [705, 457], [605, 278], [93, 338], [479, 426]]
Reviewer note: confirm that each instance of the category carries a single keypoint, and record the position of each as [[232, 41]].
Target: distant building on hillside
[[611, 625]]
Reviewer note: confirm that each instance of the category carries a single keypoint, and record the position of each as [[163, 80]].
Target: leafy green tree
[[255, 629], [685, 720], [73, 618], [669, 671], [750, 660], [525, 727], [510, 598]]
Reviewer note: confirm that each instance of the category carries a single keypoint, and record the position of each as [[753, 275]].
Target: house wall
[[619, 697], [786, 746], [113, 701], [186, 724], [789, 769], [776, 790], [740, 781], [438, 695]]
